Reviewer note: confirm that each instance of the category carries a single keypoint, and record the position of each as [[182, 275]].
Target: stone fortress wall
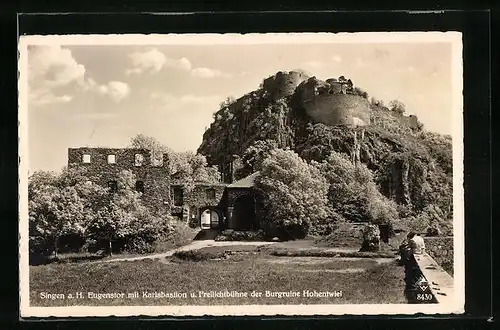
[[411, 120], [340, 109], [283, 84], [440, 248], [105, 164], [200, 198], [331, 103]]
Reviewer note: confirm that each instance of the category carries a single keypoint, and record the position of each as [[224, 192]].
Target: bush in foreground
[[69, 205], [294, 193], [235, 235], [197, 255]]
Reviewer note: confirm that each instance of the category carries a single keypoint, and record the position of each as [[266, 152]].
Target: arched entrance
[[209, 219], [244, 213]]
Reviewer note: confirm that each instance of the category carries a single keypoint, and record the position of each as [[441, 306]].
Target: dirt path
[[192, 246]]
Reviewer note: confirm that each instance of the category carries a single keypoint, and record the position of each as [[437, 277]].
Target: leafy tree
[[58, 206], [192, 168], [187, 167], [350, 85], [295, 193], [360, 92], [124, 216], [156, 147], [71, 204], [253, 157], [201, 172], [397, 106], [227, 102], [40, 179], [353, 193], [377, 103]]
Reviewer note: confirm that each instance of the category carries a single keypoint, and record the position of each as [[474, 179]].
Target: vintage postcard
[[230, 174]]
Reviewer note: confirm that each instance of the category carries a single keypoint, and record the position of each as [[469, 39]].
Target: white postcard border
[[455, 38]]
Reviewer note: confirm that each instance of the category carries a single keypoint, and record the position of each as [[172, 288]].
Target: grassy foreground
[[360, 280]]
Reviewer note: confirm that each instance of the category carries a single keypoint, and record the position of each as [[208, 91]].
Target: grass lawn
[[361, 280]]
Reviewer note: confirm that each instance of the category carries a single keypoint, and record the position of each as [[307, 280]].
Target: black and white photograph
[[241, 174]]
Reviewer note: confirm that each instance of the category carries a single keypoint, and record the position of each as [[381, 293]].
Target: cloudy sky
[[102, 95]]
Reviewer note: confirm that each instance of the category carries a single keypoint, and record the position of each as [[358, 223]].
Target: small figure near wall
[[416, 243]]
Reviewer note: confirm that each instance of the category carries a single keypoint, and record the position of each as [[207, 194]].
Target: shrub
[[371, 239], [234, 235], [397, 107], [71, 206], [344, 234], [327, 225], [58, 206], [197, 255], [417, 224], [353, 193], [360, 92], [253, 157], [294, 193]]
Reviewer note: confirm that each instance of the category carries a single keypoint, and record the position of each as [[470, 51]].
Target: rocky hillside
[[314, 117]]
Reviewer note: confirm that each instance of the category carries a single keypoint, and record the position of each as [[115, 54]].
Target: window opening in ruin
[[86, 158], [178, 196], [113, 186], [210, 193], [111, 159], [139, 159], [139, 186]]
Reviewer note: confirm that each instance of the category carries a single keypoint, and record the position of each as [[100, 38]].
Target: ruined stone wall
[[410, 121], [336, 87], [156, 179], [440, 248], [201, 196], [331, 103], [283, 84], [338, 109]]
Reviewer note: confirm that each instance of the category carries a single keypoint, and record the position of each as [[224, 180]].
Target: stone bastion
[[330, 104], [283, 84]]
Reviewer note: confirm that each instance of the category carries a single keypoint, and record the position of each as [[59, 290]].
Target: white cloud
[[337, 58], [182, 64], [208, 73], [89, 84], [154, 61], [53, 66], [116, 90], [151, 60]]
